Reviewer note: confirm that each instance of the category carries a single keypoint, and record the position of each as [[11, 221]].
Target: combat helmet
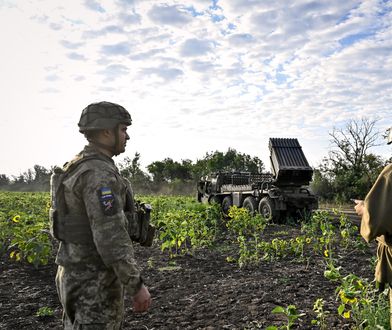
[[103, 115]]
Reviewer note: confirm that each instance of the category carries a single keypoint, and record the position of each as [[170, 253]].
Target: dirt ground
[[202, 291]]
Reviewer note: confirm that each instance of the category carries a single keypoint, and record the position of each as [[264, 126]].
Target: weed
[[44, 312], [291, 314]]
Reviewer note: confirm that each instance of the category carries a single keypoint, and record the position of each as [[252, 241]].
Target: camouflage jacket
[[376, 219], [95, 188], [377, 223]]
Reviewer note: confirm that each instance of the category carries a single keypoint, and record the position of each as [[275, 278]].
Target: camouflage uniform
[[91, 277], [376, 224]]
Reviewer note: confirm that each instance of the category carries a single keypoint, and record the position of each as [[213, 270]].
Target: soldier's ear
[[107, 133]]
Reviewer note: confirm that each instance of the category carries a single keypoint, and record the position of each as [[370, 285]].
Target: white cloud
[[94, 5], [195, 47], [222, 76], [103, 31], [76, 56], [166, 73], [170, 15], [113, 71], [71, 45]]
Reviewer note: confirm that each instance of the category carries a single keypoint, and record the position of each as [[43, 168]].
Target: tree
[[157, 170], [180, 171], [29, 176], [321, 185], [130, 168], [350, 168], [4, 180], [353, 143], [169, 170], [231, 160], [41, 174]]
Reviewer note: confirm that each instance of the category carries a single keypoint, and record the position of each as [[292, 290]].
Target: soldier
[[88, 215], [376, 213]]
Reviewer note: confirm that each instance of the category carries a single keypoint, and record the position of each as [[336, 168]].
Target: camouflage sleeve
[[378, 207], [103, 196], [131, 280]]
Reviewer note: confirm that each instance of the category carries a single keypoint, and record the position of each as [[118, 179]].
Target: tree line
[[166, 176], [347, 171]]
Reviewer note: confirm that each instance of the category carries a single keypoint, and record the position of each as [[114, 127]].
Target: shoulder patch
[[107, 200]]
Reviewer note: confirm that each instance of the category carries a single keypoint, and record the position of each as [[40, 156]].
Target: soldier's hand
[[359, 206], [141, 301]]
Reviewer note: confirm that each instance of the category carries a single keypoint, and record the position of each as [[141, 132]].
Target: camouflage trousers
[[91, 298]]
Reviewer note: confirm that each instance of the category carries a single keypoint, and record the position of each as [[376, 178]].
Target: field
[[207, 273]]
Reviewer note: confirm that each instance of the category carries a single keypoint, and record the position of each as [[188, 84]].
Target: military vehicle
[[283, 193]]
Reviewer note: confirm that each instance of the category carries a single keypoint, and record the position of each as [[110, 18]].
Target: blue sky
[[196, 76]]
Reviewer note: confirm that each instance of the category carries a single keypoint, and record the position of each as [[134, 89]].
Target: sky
[[197, 76]]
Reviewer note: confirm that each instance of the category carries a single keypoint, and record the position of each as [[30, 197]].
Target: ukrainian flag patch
[[105, 191], [107, 201]]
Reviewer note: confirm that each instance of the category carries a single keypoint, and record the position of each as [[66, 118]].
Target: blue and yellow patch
[[107, 201]]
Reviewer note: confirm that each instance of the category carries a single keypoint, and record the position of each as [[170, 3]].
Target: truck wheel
[[267, 210], [226, 204], [214, 200], [250, 204]]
